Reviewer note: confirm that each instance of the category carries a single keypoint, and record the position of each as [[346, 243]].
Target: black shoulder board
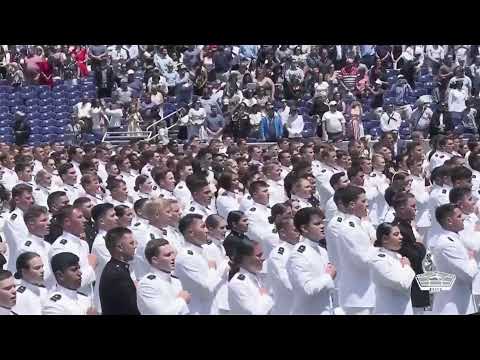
[[173, 276], [301, 248], [274, 230], [78, 292], [224, 194], [209, 242], [442, 156], [151, 277], [28, 243], [373, 175], [189, 252], [13, 217], [281, 250], [474, 177], [155, 187], [449, 238], [192, 209], [436, 155], [164, 232], [180, 187], [63, 241], [37, 189], [152, 236], [21, 289], [381, 255], [241, 277], [137, 224], [444, 191], [351, 224], [56, 297], [253, 209], [339, 219], [65, 190], [249, 197], [161, 195], [324, 170]]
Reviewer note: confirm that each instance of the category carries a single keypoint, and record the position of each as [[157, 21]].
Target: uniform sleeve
[[461, 267], [358, 250], [152, 300], [301, 276], [278, 271], [252, 302], [391, 276], [53, 308], [189, 269], [100, 250]]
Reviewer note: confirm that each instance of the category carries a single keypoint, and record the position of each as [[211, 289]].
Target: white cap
[[378, 81], [332, 103], [130, 72]]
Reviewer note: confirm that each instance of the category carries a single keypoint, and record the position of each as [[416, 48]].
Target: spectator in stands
[[214, 123], [196, 118], [162, 59], [456, 100], [21, 129], [333, 124], [421, 118], [115, 114], [402, 92], [441, 121], [348, 75], [390, 119], [294, 124], [271, 128], [104, 79], [97, 55], [435, 55]]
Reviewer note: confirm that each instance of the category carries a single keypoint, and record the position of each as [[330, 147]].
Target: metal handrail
[[164, 118], [123, 134]]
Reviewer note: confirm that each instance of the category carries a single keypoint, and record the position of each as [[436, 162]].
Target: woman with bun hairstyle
[[391, 273]]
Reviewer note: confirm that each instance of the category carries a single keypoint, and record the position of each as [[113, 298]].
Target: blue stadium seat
[[36, 129], [35, 138], [58, 95], [375, 132], [45, 101], [45, 115], [43, 88], [30, 102], [21, 108], [7, 139], [3, 101], [6, 89], [34, 143], [60, 129], [48, 130], [60, 102], [45, 108], [5, 123], [32, 115], [64, 109], [6, 130], [45, 95], [49, 138], [4, 109], [61, 115], [48, 123], [31, 108]]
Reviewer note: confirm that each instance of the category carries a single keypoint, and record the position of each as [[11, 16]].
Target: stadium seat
[[35, 138], [45, 139], [36, 129], [6, 89], [375, 132], [58, 95], [21, 108]]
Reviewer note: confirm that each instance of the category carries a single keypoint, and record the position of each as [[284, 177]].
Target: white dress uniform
[[439, 196], [38, 245], [332, 232], [143, 234], [279, 280], [99, 249], [147, 170], [5, 311], [259, 229], [116, 202], [76, 166], [324, 188], [355, 287], [73, 192], [174, 237], [137, 195], [15, 232], [97, 199], [438, 159], [246, 202], [311, 284], [165, 194], [30, 298], [276, 190], [70, 243], [214, 250], [37, 166], [197, 278], [244, 296], [469, 236], [129, 179], [392, 283], [475, 183], [451, 257], [227, 202], [422, 196], [196, 208], [64, 301], [157, 294], [331, 209], [102, 172], [285, 171], [377, 206], [9, 178], [182, 194], [40, 194]]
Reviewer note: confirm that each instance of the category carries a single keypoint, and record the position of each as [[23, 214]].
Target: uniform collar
[[32, 287], [120, 263], [101, 232], [71, 294], [69, 186], [162, 274], [37, 239], [196, 204], [263, 207], [286, 245], [70, 236], [195, 248], [391, 253], [450, 234]]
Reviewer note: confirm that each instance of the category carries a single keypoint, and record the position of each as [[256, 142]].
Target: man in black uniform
[[118, 294], [405, 209]]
